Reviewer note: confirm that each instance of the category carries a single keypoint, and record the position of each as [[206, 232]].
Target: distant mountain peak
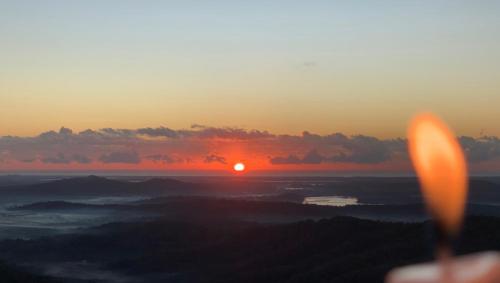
[[94, 177], [90, 178]]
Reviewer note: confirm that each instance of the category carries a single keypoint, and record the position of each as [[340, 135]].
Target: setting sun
[[239, 167]]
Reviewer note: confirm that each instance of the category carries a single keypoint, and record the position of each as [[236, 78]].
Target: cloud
[[311, 157], [58, 159], [363, 149], [198, 126], [201, 144], [290, 159], [158, 132], [227, 133], [51, 136], [215, 158], [121, 157], [61, 158], [205, 132], [65, 131], [119, 132], [339, 148], [481, 149], [163, 158], [82, 159]]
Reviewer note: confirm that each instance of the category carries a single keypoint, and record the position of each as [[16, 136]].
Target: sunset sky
[[280, 85]]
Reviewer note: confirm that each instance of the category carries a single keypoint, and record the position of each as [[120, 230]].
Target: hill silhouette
[[94, 185]]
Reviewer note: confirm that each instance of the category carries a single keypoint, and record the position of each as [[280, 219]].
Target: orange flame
[[440, 165]]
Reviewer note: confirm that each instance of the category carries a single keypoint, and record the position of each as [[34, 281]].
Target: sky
[[351, 73]]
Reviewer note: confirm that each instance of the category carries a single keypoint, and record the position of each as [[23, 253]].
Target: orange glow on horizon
[[441, 167]]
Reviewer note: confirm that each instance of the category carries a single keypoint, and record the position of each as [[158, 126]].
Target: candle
[[477, 268], [440, 165]]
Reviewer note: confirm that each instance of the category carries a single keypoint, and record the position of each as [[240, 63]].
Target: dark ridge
[[95, 185], [65, 205]]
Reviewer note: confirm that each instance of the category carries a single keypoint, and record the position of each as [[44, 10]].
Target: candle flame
[[440, 165]]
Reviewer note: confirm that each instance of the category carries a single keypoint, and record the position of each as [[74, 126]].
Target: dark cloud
[[82, 159], [121, 157], [290, 159], [198, 126], [49, 136], [311, 157], [163, 158], [111, 135], [4, 156], [158, 132], [65, 131], [481, 149], [339, 148], [370, 150], [196, 131], [118, 132], [196, 144], [363, 149], [215, 158], [229, 133], [204, 132], [60, 158]]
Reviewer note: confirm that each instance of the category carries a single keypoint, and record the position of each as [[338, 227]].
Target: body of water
[[331, 200]]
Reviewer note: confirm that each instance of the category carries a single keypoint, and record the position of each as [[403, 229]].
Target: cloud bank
[[203, 147]]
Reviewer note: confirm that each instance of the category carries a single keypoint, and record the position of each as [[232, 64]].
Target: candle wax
[[475, 268]]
